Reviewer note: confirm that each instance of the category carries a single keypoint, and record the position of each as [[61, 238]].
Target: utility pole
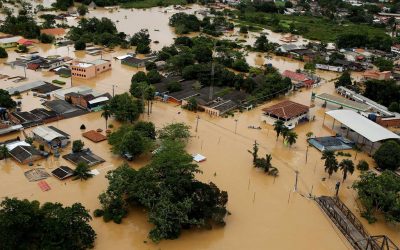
[[197, 122], [211, 95], [297, 176], [113, 91], [307, 153], [25, 70], [236, 122]]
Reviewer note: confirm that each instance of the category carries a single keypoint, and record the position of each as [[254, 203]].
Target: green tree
[[28, 225], [363, 165], [394, 107], [106, 113], [126, 108], [347, 166], [383, 64], [77, 146], [22, 48], [147, 129], [254, 153], [243, 30], [44, 38], [331, 164], [139, 77], [6, 101], [80, 45], [291, 138], [4, 152], [82, 10], [63, 4], [261, 44], [175, 132], [3, 53], [388, 155], [278, 127], [379, 193], [82, 172], [344, 80], [309, 134], [154, 76], [149, 95]]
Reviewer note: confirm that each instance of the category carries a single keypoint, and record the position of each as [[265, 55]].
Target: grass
[[144, 4], [313, 28]]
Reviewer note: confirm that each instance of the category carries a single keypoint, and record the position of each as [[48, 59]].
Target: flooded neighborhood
[[199, 125]]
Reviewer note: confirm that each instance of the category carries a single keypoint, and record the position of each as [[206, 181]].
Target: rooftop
[[286, 110], [361, 125]]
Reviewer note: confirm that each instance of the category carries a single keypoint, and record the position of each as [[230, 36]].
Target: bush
[[77, 146], [41, 147], [44, 38], [388, 155], [98, 213], [22, 48], [363, 165], [80, 45], [58, 82], [3, 53], [83, 127]]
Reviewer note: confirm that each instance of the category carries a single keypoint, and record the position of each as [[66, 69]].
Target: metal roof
[[25, 87], [344, 102], [46, 133], [98, 99], [361, 125]]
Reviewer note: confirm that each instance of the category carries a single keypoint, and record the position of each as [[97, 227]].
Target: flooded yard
[[266, 212]]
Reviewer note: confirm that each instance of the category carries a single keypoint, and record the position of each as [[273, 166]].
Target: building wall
[[271, 120], [103, 67], [8, 45], [388, 122], [211, 111], [83, 72], [77, 100]]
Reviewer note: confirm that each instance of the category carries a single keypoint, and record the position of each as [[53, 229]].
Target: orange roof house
[[53, 32], [376, 75], [25, 42]]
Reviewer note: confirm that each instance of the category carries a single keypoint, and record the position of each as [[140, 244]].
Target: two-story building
[[87, 70]]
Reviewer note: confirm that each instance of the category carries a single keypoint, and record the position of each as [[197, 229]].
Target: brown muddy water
[[266, 212]]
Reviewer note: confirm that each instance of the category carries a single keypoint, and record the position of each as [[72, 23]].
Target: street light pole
[[236, 122], [197, 122]]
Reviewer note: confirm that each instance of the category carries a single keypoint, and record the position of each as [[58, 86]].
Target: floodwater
[[266, 212]]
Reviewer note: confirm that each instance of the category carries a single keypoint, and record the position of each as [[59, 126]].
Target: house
[[90, 101], [291, 113], [134, 62], [87, 70], [64, 109], [56, 32], [85, 156], [395, 49], [298, 79], [61, 93], [286, 48], [289, 38], [25, 42], [62, 172], [23, 152], [377, 75], [51, 136], [306, 55], [9, 42]]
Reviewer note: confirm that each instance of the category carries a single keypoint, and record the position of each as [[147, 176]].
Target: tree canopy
[[5, 100], [126, 108], [388, 155], [169, 192], [28, 225], [379, 193]]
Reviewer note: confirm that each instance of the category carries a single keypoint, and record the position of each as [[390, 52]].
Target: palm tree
[[4, 152], [291, 138], [254, 153], [347, 166], [82, 172], [106, 113], [284, 132], [331, 164], [149, 94], [268, 164], [278, 126]]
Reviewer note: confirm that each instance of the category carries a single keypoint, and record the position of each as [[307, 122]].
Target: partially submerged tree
[[388, 155], [82, 172], [77, 146], [175, 132], [28, 225], [278, 127], [347, 166], [106, 113], [331, 164]]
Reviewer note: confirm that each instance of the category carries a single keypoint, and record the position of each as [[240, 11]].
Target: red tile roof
[[53, 32], [24, 41], [94, 136], [295, 76], [286, 110]]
